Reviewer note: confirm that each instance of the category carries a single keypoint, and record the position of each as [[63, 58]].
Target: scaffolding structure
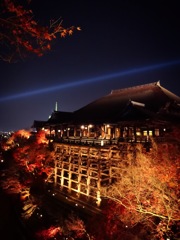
[[84, 170]]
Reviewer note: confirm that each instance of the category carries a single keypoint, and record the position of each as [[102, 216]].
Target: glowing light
[[98, 202], [90, 80]]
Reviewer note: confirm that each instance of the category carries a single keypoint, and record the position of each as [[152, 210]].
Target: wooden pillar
[[88, 176], [98, 195], [75, 130], [62, 176], [79, 171], [68, 129], [55, 172], [69, 178]]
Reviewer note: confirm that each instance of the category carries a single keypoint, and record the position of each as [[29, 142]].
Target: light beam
[[90, 80]]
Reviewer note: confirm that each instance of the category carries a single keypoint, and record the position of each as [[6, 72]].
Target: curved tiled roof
[[59, 117], [152, 98], [138, 103]]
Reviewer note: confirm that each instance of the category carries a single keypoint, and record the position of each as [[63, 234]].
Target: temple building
[[90, 141], [130, 114]]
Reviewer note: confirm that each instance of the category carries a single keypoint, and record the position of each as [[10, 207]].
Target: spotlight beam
[[90, 80]]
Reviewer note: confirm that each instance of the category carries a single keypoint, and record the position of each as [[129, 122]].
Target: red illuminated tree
[[72, 228], [146, 190], [108, 225], [49, 233], [29, 169], [21, 34], [33, 156], [11, 185], [76, 226]]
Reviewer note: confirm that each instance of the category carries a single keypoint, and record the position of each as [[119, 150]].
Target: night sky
[[118, 42]]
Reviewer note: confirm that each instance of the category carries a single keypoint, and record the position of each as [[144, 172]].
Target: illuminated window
[[145, 133], [150, 133], [156, 132], [138, 132], [109, 131]]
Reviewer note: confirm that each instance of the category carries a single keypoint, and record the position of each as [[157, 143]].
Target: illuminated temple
[[90, 143]]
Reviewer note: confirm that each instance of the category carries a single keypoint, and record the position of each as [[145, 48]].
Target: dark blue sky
[[116, 36]]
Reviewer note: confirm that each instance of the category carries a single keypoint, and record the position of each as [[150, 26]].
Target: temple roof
[[141, 103], [138, 102], [59, 117], [38, 124]]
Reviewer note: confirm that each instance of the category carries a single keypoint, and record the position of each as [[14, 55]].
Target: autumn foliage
[[31, 165], [21, 34], [142, 201], [146, 190], [72, 228], [49, 233]]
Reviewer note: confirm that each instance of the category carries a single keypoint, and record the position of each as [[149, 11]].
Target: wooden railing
[[103, 142]]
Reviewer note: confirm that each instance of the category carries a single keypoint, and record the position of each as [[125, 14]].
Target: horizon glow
[[90, 80]]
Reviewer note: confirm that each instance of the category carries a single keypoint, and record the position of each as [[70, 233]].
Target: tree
[[30, 167], [20, 33], [76, 226], [32, 154], [72, 228], [49, 233], [146, 189], [11, 185]]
